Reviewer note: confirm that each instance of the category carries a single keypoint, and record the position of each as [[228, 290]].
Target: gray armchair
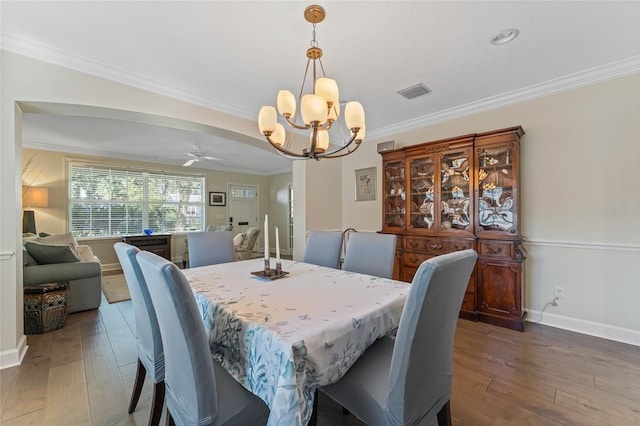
[[55, 262], [244, 245]]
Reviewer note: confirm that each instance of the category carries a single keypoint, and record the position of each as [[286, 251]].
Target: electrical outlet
[[559, 293]]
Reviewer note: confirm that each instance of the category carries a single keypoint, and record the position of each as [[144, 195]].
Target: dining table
[[282, 338]]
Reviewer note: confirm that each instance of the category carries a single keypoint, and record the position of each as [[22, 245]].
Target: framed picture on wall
[[217, 198], [366, 184]]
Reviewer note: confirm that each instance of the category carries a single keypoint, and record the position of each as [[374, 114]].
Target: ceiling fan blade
[[188, 163], [206, 157], [191, 154]]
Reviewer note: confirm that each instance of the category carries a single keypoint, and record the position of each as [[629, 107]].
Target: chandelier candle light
[[318, 111]]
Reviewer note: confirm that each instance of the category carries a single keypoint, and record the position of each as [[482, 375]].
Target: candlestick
[[267, 267], [266, 237], [277, 245]]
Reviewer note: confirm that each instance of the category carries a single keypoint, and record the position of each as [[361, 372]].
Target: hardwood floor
[[82, 374]]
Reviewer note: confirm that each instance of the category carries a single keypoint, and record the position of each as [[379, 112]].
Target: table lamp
[[32, 197]]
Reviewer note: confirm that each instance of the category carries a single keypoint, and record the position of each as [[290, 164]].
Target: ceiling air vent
[[414, 91]]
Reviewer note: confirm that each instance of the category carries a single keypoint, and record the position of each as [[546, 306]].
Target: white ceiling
[[235, 56]]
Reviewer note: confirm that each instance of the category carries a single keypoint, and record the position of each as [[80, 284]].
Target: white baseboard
[[108, 267], [14, 357], [618, 334]]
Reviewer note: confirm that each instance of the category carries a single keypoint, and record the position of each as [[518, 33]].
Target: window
[[107, 202], [243, 192]]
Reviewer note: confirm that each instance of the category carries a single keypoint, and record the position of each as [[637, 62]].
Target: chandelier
[[318, 111]]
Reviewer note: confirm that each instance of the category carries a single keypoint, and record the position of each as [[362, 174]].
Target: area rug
[[115, 288]]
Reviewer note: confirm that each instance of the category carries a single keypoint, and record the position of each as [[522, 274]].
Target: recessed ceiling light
[[504, 36]]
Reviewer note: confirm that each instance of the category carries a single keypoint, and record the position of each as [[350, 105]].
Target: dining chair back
[[323, 248], [149, 343], [370, 253], [199, 390], [407, 380], [210, 248]]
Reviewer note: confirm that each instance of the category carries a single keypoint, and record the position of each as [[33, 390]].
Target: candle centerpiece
[[267, 272]]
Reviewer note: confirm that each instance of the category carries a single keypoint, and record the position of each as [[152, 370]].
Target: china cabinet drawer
[[408, 272], [415, 259], [497, 249], [436, 246]]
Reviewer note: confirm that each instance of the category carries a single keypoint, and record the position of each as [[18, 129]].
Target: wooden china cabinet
[[456, 194]]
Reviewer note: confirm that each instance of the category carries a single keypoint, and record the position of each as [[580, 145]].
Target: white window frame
[[146, 175]]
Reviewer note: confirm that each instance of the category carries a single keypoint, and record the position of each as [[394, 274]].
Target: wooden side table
[[159, 244], [46, 307]]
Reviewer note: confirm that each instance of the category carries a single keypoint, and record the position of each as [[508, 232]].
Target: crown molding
[[65, 59], [123, 156], [583, 78], [571, 81]]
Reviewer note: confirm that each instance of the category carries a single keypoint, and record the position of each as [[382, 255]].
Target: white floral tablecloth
[[283, 338]]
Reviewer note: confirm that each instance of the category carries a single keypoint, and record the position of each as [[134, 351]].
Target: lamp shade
[[267, 119], [286, 103], [322, 141], [354, 115], [35, 196], [279, 135], [313, 108], [328, 89]]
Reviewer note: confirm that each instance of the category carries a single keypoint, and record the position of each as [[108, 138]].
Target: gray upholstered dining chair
[[370, 253], [150, 354], [210, 248], [199, 390], [323, 248], [407, 381]]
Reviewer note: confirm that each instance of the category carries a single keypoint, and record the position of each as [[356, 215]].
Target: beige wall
[[580, 201], [317, 199]]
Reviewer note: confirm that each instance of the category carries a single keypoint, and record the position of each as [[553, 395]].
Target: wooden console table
[[159, 244]]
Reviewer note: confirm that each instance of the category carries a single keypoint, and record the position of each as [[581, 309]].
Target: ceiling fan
[[197, 155]]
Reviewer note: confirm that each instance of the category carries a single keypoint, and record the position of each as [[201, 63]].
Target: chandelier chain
[[314, 43]]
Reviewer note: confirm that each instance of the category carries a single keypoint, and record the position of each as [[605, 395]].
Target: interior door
[[243, 207]]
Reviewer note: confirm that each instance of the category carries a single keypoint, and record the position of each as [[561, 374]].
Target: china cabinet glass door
[[455, 203], [496, 202], [422, 186], [394, 199]]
